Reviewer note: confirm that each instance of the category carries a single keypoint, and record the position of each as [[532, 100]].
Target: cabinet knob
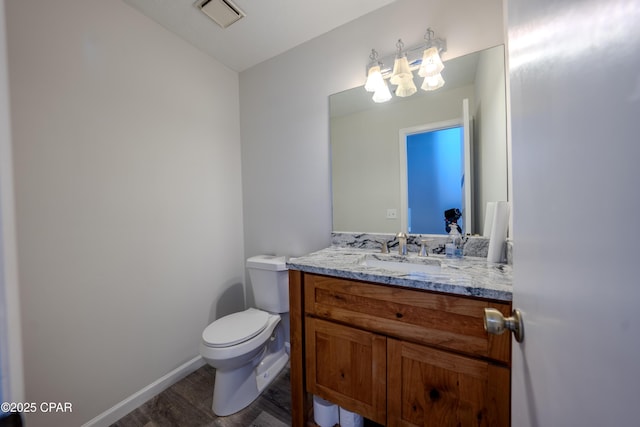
[[495, 323]]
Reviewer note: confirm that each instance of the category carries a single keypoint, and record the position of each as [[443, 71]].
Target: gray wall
[[286, 171], [10, 331], [129, 218], [128, 183]]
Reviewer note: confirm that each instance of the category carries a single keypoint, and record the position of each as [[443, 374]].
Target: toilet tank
[[269, 282]]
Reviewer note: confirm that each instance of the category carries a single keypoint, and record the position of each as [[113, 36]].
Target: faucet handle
[[402, 243], [423, 247], [385, 247]]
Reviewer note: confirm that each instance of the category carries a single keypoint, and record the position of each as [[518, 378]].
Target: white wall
[[128, 195], [285, 122]]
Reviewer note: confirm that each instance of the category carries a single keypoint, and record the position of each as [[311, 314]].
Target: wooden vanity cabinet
[[397, 356]]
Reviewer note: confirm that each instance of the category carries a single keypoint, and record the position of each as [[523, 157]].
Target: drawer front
[[440, 320]]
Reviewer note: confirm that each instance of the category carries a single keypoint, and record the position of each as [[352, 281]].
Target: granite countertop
[[470, 276]]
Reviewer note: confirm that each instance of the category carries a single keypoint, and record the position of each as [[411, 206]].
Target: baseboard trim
[[122, 408]]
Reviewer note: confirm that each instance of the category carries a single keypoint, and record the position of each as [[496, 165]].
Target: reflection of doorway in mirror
[[435, 178], [431, 220]]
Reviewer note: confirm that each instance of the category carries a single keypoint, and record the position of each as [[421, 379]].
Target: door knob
[[495, 323]]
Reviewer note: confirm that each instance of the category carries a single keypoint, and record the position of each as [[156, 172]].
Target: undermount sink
[[409, 265]]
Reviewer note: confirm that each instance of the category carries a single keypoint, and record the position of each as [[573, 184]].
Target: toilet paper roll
[[488, 219], [499, 229], [350, 419], [325, 413]]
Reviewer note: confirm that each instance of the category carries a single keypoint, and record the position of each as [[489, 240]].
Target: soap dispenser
[[453, 247]]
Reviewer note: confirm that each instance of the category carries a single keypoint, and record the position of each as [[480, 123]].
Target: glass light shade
[[406, 88], [374, 79], [401, 70], [431, 63], [382, 94], [432, 83]]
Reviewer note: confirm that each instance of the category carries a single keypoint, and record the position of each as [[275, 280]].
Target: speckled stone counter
[[475, 246], [469, 276]]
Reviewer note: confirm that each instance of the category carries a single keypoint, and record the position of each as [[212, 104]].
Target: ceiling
[[269, 28]]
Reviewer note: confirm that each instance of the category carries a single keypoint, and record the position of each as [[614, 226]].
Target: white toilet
[[248, 348]]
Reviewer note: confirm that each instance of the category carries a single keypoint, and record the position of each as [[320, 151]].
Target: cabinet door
[[347, 366], [429, 387]]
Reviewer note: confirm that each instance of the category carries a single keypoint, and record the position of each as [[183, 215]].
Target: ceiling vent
[[223, 12]]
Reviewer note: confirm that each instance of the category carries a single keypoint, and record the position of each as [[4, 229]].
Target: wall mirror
[[367, 138]]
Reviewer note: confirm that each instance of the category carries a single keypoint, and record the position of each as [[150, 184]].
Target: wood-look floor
[[188, 403]]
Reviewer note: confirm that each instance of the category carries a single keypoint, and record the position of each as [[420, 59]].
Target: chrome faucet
[[402, 243]]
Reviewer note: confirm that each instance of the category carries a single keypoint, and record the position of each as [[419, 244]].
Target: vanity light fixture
[[424, 57], [375, 82], [402, 75], [432, 65]]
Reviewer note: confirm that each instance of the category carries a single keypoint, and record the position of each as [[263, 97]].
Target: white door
[[575, 103]]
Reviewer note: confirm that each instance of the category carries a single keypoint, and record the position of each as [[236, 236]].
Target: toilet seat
[[235, 328]]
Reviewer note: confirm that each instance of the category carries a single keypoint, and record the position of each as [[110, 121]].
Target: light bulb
[[382, 94], [374, 79], [432, 83], [431, 63], [401, 70], [406, 88]]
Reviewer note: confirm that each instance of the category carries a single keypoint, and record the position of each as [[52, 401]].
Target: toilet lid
[[235, 328]]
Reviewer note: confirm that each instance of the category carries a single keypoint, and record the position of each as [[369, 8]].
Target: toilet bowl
[[247, 348]]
